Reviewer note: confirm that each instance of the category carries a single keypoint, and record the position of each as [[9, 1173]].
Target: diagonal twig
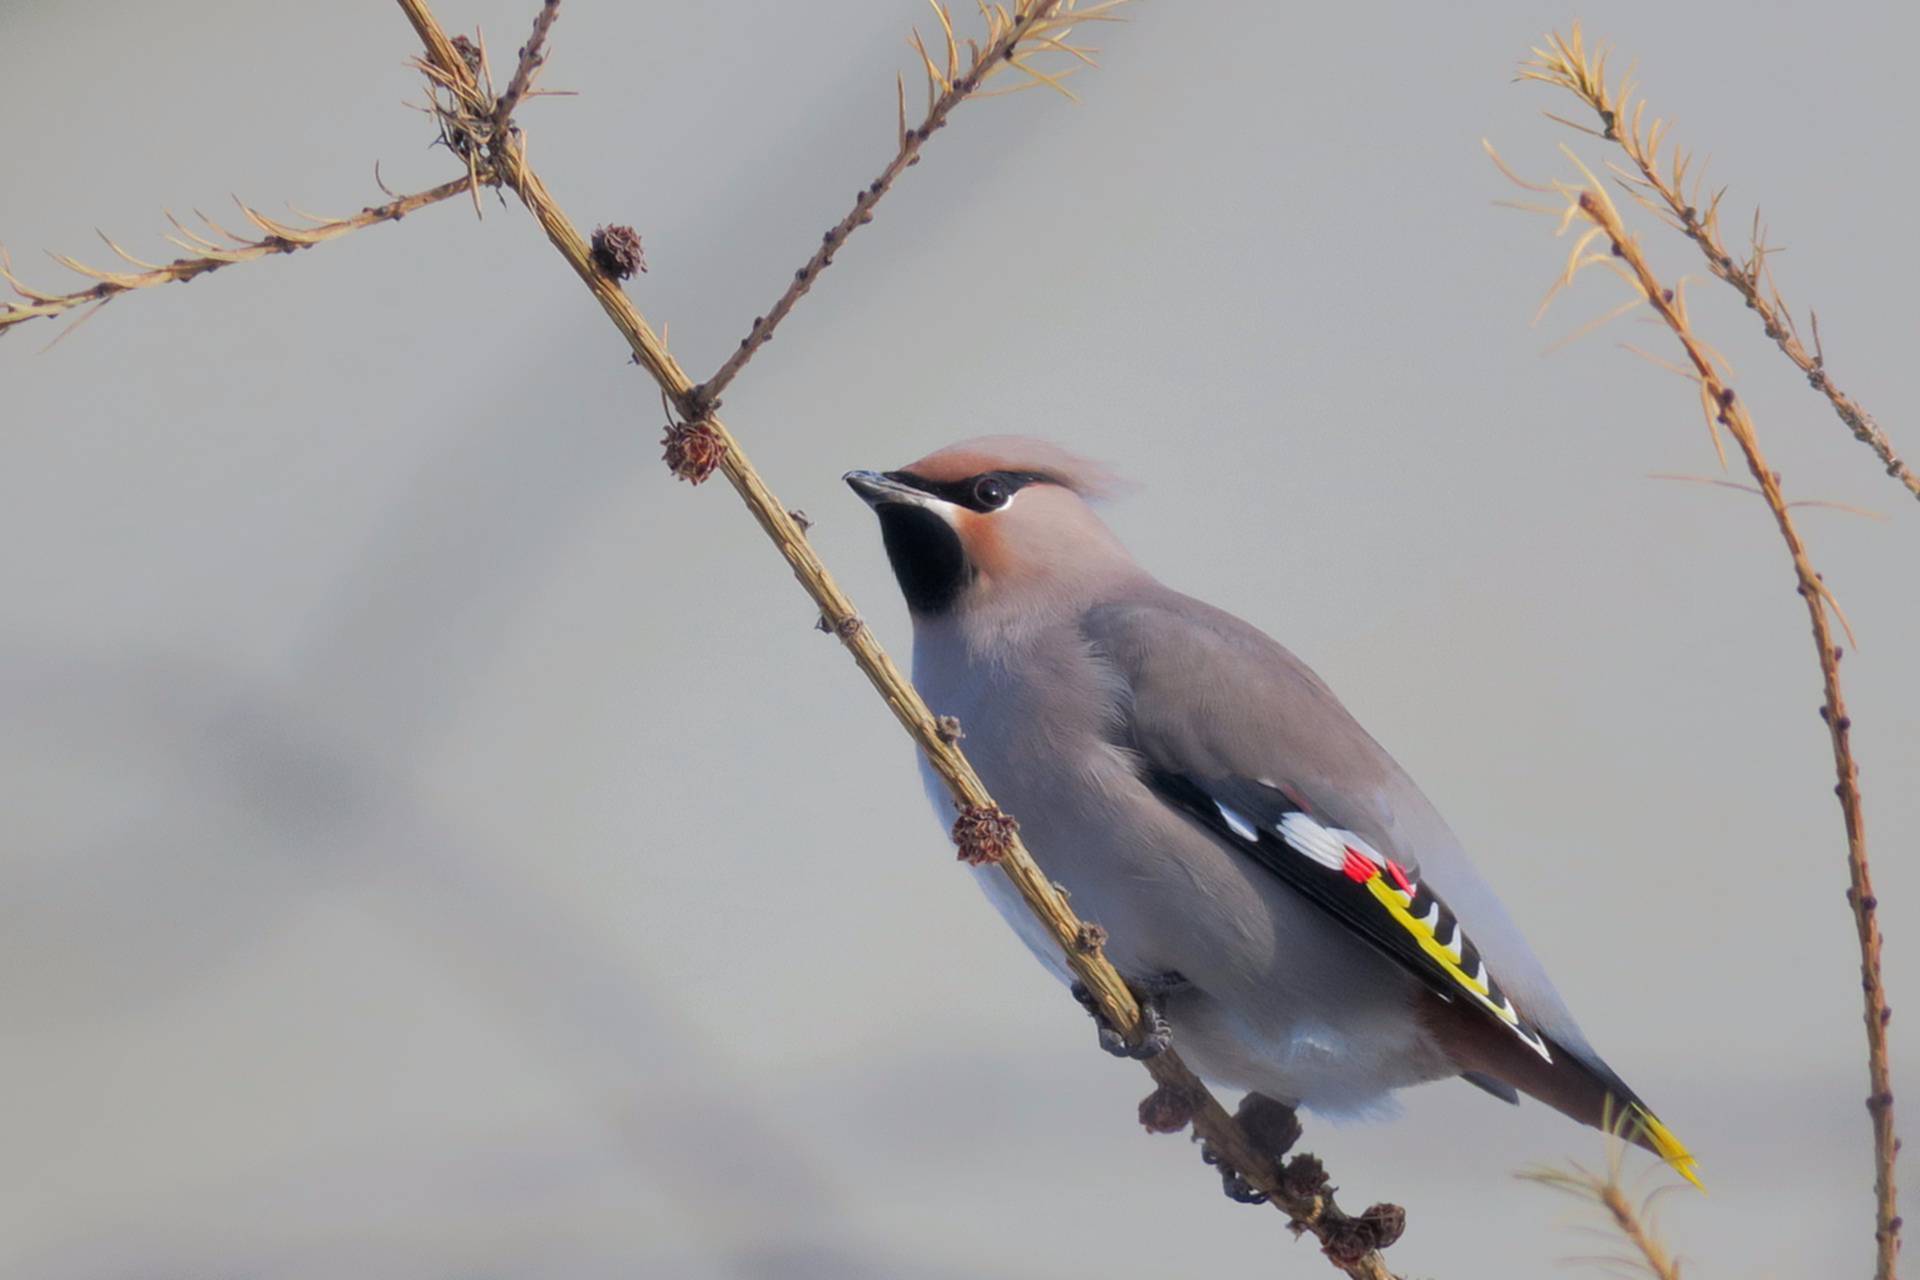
[[206, 254], [532, 58], [1041, 23], [1589, 204], [1304, 1196], [1567, 64]]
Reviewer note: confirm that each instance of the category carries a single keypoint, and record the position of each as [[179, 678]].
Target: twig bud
[[1166, 1110], [616, 251], [692, 450], [983, 835]]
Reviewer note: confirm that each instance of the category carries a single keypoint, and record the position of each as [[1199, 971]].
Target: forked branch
[[1305, 1197]]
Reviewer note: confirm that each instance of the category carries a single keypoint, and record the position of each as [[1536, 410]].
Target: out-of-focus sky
[[437, 844]]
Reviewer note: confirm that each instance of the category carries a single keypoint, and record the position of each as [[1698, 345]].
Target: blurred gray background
[[436, 843]]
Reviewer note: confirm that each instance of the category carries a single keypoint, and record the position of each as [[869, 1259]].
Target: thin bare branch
[[1589, 203], [532, 58], [1032, 26], [1568, 64], [1300, 1190], [207, 255]]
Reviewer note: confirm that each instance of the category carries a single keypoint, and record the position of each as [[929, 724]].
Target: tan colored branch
[[211, 255], [1309, 1206], [1566, 63], [1010, 36], [1591, 205]]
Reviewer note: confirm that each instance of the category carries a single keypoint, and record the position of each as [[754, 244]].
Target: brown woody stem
[[1732, 414], [907, 155]]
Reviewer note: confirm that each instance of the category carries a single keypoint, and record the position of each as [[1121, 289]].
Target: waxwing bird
[[1290, 905]]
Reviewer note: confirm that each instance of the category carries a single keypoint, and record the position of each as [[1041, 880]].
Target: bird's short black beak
[[877, 489]]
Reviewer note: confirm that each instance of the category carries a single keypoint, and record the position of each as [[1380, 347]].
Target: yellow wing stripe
[[1396, 904], [1390, 899]]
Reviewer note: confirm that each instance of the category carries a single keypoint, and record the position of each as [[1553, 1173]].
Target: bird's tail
[[1587, 1089], [1576, 1083], [1643, 1127]]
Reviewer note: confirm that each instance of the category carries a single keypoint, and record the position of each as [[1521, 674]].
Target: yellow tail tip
[[1668, 1147]]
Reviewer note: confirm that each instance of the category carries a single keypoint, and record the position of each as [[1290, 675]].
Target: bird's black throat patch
[[926, 556]]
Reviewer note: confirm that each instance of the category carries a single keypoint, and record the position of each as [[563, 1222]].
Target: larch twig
[[1044, 23], [1608, 1192], [1300, 1191], [1567, 63], [532, 57], [1589, 204], [207, 254]]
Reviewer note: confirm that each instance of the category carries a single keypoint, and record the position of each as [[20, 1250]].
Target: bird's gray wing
[[1238, 734]]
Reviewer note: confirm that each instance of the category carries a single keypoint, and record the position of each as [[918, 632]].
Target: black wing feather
[[1249, 816]]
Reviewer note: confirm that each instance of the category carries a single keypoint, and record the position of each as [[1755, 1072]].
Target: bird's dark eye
[[991, 492]]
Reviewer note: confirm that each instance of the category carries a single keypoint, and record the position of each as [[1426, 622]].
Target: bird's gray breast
[[1044, 729]]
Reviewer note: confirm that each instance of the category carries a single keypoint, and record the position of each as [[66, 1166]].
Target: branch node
[[1090, 938]]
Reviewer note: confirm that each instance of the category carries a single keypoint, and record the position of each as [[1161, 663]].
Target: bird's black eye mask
[[988, 491]]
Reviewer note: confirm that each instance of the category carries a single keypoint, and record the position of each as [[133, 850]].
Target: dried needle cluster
[[206, 254], [1691, 210], [1633, 1221]]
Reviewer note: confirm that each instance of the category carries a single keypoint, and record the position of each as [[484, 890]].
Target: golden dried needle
[[206, 256]]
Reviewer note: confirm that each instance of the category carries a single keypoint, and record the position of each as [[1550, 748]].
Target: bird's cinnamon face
[[942, 532]]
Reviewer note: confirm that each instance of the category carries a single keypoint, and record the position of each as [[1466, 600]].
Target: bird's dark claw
[[1156, 1036], [1238, 1189], [1273, 1127]]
